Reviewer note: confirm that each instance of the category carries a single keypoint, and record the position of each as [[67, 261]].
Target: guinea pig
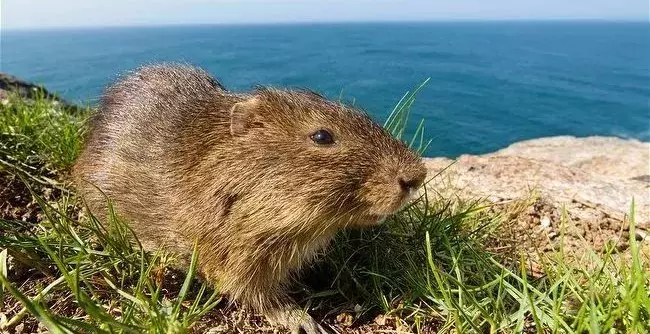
[[261, 181]]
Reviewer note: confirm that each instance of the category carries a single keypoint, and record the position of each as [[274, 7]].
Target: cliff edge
[[9, 84]]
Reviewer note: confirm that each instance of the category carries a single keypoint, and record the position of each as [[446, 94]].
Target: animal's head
[[335, 158]]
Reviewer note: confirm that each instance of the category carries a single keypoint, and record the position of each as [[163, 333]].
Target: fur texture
[[183, 159]]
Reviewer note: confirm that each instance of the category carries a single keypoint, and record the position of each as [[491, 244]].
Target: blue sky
[[70, 13]]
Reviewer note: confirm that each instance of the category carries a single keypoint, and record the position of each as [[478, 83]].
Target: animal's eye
[[322, 137]]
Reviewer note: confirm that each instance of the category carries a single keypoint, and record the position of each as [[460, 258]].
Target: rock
[[603, 173], [594, 178], [345, 319], [9, 83]]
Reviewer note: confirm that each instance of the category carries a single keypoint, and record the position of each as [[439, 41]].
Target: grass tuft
[[39, 133]]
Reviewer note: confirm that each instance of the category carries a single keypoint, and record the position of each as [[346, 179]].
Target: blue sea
[[492, 83]]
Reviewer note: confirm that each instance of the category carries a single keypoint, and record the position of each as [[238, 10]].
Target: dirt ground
[[538, 230]]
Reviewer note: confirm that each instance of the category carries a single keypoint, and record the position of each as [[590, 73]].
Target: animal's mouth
[[387, 200], [404, 201]]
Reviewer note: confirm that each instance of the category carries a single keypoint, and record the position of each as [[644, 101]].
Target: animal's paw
[[309, 326], [297, 320]]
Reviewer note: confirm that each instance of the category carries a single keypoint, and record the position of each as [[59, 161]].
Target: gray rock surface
[[594, 178], [604, 172]]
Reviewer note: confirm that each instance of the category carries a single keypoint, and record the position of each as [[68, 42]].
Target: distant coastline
[[328, 23]]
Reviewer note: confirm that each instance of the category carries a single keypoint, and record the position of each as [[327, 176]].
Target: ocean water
[[491, 84]]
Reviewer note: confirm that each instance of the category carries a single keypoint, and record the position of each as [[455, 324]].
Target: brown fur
[[183, 159]]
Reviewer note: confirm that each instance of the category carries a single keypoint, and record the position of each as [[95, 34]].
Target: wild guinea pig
[[262, 180]]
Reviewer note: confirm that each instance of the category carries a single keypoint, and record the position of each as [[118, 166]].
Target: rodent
[[262, 180]]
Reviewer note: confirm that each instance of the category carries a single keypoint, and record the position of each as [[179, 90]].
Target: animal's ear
[[242, 115]]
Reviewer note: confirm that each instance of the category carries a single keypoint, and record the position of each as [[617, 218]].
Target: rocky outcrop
[[594, 178], [9, 83]]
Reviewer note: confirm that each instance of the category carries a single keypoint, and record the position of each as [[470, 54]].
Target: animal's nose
[[411, 181]]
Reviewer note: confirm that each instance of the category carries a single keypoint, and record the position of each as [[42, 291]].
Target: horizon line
[[303, 23]]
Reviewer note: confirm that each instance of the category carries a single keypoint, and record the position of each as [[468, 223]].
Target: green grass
[[38, 134], [427, 267]]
